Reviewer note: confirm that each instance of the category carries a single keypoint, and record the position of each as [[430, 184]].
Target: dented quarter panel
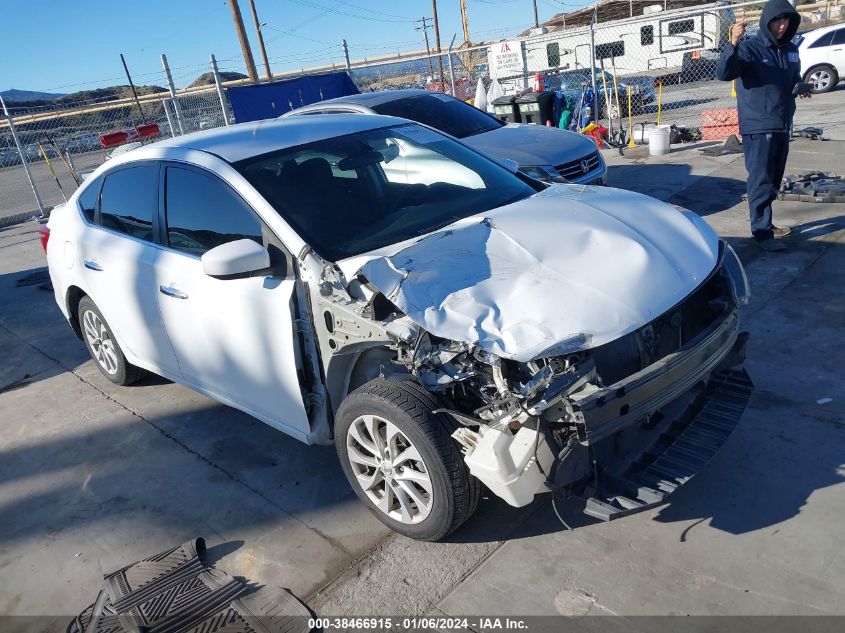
[[572, 267]]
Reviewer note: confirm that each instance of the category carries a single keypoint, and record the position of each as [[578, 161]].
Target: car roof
[[378, 97], [245, 140], [822, 30]]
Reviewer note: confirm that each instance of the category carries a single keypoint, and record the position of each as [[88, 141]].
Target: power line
[[297, 35], [390, 15], [313, 5]]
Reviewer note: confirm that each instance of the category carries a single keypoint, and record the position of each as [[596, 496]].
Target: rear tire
[[401, 461], [823, 78], [103, 347]]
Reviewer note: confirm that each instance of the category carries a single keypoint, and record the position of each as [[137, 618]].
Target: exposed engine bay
[[527, 426]]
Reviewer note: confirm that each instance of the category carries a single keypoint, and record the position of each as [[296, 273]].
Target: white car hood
[[570, 268]]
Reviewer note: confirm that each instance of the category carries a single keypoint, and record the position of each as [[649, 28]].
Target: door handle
[[92, 265], [172, 292]]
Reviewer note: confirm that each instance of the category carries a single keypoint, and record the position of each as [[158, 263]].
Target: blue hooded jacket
[[767, 70]]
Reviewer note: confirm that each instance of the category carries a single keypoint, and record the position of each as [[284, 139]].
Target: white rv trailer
[[656, 43]]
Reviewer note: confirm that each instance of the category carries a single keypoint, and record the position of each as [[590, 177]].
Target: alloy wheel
[[102, 345], [389, 469], [821, 80]]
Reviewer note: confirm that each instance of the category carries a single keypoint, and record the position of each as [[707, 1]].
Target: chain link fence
[[453, 72], [665, 60], [61, 143]]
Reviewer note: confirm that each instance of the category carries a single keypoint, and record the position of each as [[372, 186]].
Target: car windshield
[[351, 194], [441, 112]]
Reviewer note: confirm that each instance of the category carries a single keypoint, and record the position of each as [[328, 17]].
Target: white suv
[[823, 57], [446, 322]]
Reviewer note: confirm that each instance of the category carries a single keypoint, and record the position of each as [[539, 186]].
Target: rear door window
[[88, 199], [203, 212], [824, 40], [839, 37], [129, 201]]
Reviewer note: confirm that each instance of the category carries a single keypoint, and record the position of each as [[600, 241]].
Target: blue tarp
[[267, 101]]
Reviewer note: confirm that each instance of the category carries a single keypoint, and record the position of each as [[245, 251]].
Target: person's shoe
[[781, 231], [770, 245]]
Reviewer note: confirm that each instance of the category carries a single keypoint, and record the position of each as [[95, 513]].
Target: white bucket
[[658, 140]]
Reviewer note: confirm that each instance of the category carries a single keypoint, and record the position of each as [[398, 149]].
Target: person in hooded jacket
[[767, 69]]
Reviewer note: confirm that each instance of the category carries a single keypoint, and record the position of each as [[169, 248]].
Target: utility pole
[[466, 58], [437, 39], [247, 51], [260, 40], [424, 29], [465, 23], [536, 18]]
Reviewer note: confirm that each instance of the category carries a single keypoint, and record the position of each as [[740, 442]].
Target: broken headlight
[[735, 273]]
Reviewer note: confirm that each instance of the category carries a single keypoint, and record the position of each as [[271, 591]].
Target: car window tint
[[202, 212], [442, 113], [824, 40], [399, 182], [129, 201], [839, 37], [88, 198]]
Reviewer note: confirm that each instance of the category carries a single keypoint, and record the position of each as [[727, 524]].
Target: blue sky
[[69, 45]]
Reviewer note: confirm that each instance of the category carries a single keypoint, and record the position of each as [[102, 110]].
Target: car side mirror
[[235, 258], [509, 164]]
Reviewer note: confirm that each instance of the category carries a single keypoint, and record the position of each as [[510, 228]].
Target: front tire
[[823, 78], [401, 461], [103, 347]]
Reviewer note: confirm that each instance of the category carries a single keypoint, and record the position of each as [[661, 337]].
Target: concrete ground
[[94, 477]]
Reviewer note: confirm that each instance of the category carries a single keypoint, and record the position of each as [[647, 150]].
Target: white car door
[[836, 53], [118, 257], [233, 338]]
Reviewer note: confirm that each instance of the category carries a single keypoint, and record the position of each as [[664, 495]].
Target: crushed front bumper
[[680, 445], [691, 446], [604, 412]]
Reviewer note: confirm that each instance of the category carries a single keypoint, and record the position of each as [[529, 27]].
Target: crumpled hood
[[530, 144], [570, 268]]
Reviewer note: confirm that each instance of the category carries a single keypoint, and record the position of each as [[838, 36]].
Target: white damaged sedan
[[446, 323]]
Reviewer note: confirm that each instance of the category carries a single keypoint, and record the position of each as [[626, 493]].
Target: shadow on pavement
[[706, 195], [787, 446]]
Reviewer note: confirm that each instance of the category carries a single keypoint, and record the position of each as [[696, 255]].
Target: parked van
[[655, 43]]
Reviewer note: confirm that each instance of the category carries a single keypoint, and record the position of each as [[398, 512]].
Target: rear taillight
[[44, 235]]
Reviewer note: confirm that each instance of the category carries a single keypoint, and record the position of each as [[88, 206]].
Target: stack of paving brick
[[717, 125]]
